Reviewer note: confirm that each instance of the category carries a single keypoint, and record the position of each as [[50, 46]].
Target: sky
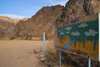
[[18, 9]]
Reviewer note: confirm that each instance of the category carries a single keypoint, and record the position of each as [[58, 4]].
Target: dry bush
[[77, 61]]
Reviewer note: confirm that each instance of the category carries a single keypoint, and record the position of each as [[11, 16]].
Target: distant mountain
[[46, 17], [7, 26], [14, 21], [17, 20]]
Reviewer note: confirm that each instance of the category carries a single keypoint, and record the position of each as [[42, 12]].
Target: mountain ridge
[[46, 17], [14, 21]]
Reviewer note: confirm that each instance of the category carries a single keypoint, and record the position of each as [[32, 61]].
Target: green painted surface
[[81, 32]]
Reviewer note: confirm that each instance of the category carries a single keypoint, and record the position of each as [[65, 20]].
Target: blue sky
[[25, 8]]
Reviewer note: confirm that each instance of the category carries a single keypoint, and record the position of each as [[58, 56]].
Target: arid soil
[[20, 53]]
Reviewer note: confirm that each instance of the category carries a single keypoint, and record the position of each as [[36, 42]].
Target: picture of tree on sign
[[79, 37]]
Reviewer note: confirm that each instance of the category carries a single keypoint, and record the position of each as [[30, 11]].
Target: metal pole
[[43, 44], [60, 57], [89, 62]]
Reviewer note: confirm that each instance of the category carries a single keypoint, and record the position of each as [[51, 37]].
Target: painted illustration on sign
[[80, 38], [82, 32]]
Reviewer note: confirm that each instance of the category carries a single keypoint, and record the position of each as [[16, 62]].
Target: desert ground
[[20, 53]]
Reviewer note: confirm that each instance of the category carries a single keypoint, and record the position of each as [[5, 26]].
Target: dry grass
[[35, 38], [52, 56], [4, 38]]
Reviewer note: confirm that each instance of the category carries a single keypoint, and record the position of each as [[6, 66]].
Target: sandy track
[[19, 53]]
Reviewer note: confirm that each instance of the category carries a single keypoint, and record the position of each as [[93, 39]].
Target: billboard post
[[89, 62], [60, 57]]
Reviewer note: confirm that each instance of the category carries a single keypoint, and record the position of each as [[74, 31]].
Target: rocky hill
[[46, 17], [7, 26], [42, 21]]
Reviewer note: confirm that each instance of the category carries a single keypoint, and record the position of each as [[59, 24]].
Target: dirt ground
[[20, 53]]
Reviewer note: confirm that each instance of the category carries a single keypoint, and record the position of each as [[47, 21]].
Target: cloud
[[61, 33], [55, 2], [68, 28], [67, 32], [13, 16], [75, 33], [83, 25], [36, 8], [91, 33]]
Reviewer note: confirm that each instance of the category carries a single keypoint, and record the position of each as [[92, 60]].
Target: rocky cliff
[[46, 17], [79, 8]]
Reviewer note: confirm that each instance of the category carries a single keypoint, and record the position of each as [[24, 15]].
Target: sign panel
[[79, 36]]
